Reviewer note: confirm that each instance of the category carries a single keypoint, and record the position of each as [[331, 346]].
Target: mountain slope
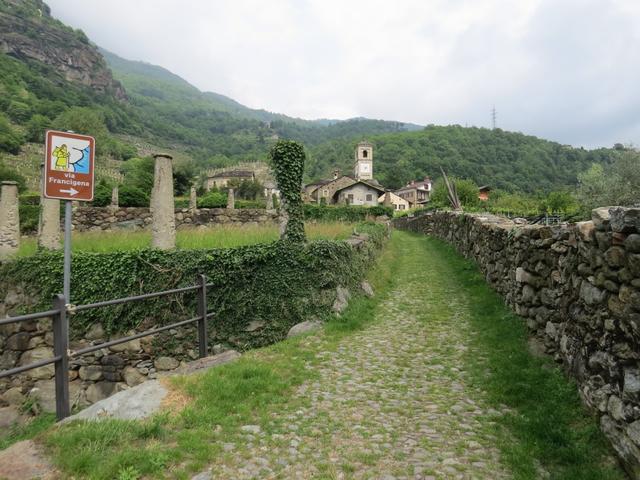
[[152, 85]]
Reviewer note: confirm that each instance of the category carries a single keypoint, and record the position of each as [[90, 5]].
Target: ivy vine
[[287, 159]]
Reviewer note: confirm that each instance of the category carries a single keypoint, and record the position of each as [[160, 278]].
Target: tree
[[467, 193], [36, 128], [615, 184], [9, 174], [559, 202]]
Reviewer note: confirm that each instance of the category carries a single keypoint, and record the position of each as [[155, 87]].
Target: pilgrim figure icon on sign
[[71, 156], [61, 157]]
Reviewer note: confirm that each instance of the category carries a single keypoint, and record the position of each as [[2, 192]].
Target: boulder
[[303, 327], [367, 289], [132, 404], [342, 300]]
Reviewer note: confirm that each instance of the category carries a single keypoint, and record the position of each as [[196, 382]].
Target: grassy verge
[[547, 428], [219, 402], [28, 430], [222, 236]]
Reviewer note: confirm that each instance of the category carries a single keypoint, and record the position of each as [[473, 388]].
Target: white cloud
[[562, 69]]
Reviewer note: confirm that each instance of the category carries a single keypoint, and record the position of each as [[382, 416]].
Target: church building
[[359, 189]]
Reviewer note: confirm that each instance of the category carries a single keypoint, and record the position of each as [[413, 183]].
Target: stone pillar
[[231, 201], [49, 234], [115, 199], [163, 226], [9, 220], [387, 200], [269, 205], [193, 199]]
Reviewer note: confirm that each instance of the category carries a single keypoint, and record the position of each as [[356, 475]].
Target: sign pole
[[68, 175], [66, 282]]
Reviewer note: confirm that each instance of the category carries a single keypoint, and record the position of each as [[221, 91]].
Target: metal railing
[[61, 353]]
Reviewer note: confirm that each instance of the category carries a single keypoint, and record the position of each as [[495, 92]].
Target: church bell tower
[[364, 161]]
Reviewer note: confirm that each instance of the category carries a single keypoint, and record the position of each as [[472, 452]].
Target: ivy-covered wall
[[259, 292]]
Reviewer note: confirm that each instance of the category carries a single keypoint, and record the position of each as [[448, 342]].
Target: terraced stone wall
[[578, 288]]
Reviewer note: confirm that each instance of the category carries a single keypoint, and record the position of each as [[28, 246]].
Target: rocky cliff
[[29, 33]]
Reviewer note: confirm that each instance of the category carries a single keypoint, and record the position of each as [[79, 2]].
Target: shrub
[[9, 174], [19, 112], [181, 202], [10, 140], [129, 196], [213, 200], [344, 213], [250, 204], [102, 194], [29, 218]]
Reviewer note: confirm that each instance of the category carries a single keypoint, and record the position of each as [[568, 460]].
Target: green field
[[224, 236]]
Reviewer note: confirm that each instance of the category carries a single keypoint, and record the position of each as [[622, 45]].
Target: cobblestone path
[[391, 402]]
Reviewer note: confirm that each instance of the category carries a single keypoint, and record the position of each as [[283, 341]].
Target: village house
[[417, 193], [222, 179], [359, 189], [390, 199], [483, 193]]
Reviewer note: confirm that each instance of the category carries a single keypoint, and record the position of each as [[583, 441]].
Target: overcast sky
[[567, 70]]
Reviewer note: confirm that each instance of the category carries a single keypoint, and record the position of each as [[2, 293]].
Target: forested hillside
[[506, 160]]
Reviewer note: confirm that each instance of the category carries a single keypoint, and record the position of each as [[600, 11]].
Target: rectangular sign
[[69, 166]]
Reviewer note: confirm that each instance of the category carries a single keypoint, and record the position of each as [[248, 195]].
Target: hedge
[[344, 213], [279, 284]]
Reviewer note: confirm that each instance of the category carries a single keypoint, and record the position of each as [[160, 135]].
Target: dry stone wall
[[578, 288], [133, 218]]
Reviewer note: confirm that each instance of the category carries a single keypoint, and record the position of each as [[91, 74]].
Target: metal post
[[201, 281], [60, 348], [66, 282]]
